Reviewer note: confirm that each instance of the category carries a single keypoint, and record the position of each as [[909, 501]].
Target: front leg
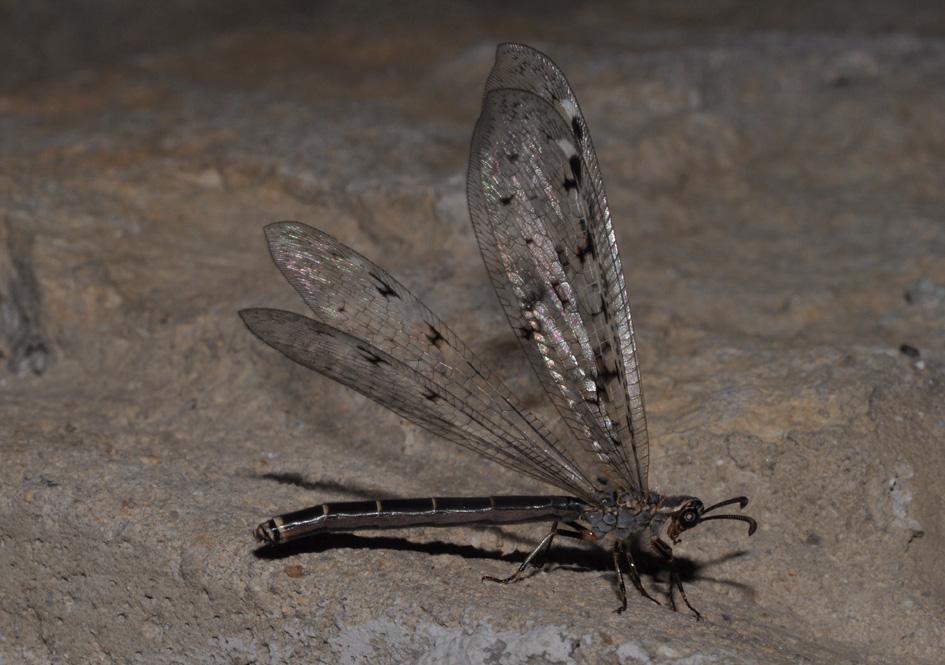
[[667, 553], [621, 547]]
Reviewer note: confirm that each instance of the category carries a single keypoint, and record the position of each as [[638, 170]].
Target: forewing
[[373, 335], [540, 213]]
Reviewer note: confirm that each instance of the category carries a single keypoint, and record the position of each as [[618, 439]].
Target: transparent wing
[[540, 213], [373, 335]]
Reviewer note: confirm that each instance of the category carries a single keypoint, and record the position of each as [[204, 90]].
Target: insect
[[540, 214]]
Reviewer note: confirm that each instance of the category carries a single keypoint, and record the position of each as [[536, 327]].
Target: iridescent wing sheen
[[371, 334], [540, 213]]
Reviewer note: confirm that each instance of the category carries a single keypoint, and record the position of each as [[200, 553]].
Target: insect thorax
[[624, 514]]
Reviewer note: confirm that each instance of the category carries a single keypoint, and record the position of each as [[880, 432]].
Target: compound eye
[[688, 519]]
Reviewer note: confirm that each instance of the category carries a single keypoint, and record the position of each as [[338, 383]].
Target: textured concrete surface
[[779, 196]]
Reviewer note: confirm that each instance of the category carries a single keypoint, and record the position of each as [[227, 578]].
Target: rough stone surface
[[778, 196]]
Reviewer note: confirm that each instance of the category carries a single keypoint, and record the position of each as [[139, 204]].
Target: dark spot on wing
[[383, 287], [587, 250], [562, 253], [530, 298], [370, 356], [576, 169], [434, 336], [602, 394], [577, 129]]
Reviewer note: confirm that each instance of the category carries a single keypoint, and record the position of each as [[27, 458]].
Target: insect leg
[[667, 553], [539, 552], [633, 572], [537, 557], [623, 587]]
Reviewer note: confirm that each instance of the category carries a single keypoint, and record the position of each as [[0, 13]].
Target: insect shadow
[[561, 556]]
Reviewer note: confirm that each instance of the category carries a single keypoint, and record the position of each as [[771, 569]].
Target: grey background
[[776, 179]]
